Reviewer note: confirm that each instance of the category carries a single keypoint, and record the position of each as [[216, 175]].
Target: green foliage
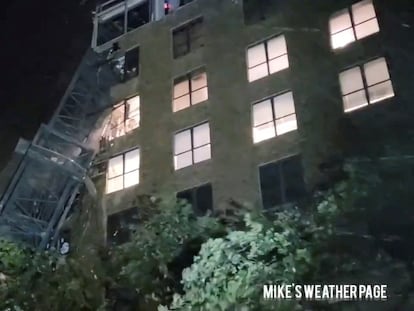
[[320, 243], [285, 247], [147, 262], [43, 281], [229, 272]]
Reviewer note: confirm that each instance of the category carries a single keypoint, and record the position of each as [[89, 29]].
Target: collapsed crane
[[53, 169]]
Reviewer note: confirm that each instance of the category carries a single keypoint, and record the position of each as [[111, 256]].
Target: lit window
[[366, 84], [123, 171], [188, 38], [273, 117], [192, 146], [267, 58], [124, 118], [190, 90], [352, 24]]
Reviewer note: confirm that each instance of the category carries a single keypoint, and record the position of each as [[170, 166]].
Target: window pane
[[351, 80], [376, 71], [115, 184], [342, 38], [201, 135], [264, 132], [199, 96], [131, 124], [276, 47], [363, 11], [354, 101], [278, 64], [293, 181], [133, 105], [187, 195], [180, 36], [198, 81], [195, 30], [131, 179], [181, 103], [271, 185], [256, 55], [181, 88], [118, 226], [286, 124], [118, 115], [380, 92], [115, 166], [202, 153], [204, 199], [258, 72], [196, 42], [183, 160], [131, 65], [283, 105], [132, 160], [118, 131], [182, 142], [262, 112], [340, 21], [180, 50], [368, 28]]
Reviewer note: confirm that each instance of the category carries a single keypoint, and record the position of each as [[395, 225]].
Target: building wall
[[323, 128]]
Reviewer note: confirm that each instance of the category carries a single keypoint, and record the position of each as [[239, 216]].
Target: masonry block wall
[[323, 128]]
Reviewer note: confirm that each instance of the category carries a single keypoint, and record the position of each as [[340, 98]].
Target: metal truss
[[46, 185], [54, 167], [111, 20]]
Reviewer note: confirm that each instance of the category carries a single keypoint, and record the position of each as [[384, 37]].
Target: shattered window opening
[[124, 118]]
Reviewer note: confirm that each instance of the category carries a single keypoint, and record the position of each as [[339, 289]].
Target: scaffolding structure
[[54, 168]]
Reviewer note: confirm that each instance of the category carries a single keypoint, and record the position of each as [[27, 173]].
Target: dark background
[[42, 43]]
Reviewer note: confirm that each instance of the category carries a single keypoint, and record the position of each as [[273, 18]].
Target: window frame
[[192, 148], [121, 235], [128, 53], [280, 170], [126, 116], [349, 10], [267, 61], [186, 29], [124, 172], [365, 86], [274, 118], [194, 195], [188, 77]]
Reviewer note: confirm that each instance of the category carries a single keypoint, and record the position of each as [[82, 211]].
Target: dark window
[[110, 29], [184, 2], [119, 226], [281, 182], [138, 16], [131, 67], [258, 10], [188, 38], [201, 198], [113, 19], [127, 66]]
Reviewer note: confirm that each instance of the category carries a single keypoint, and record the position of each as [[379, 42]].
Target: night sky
[[42, 45]]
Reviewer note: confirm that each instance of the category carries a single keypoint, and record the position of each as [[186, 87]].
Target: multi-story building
[[227, 101]]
